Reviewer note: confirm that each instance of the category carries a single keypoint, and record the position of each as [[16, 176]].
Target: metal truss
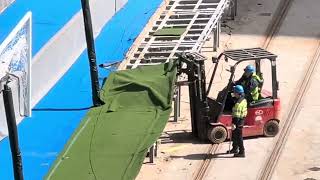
[[199, 17]]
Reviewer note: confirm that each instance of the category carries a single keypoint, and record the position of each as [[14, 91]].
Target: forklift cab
[[248, 56], [211, 117]]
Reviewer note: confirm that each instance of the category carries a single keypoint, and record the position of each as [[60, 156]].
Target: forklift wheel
[[271, 128], [217, 134]]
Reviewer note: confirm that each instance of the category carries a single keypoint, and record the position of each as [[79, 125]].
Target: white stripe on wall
[[57, 56]]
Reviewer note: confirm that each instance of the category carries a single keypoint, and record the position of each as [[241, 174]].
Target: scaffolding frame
[[200, 18]]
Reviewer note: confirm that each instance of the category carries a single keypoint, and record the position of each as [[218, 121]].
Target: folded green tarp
[[112, 141], [170, 31]]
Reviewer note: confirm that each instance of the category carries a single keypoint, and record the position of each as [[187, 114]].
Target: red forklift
[[211, 118]]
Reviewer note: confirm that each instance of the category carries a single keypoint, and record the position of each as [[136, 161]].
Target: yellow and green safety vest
[[255, 92], [239, 110]]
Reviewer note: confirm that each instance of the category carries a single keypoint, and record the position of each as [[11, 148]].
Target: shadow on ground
[[201, 156], [185, 136], [180, 136]]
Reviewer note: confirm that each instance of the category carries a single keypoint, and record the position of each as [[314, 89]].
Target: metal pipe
[[215, 39], [175, 113], [179, 100], [91, 53], [223, 103], [275, 84], [234, 5], [216, 36], [213, 73], [13, 133], [218, 32]]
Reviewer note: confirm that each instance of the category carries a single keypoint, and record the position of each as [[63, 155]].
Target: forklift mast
[[199, 108]]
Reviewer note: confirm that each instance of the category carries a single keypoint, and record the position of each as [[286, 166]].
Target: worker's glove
[[233, 127]]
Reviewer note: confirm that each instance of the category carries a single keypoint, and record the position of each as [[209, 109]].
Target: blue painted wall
[[58, 114], [48, 18]]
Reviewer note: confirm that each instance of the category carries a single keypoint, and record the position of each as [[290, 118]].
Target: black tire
[[271, 128], [217, 134]]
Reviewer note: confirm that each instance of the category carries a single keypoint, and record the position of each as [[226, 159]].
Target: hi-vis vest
[[239, 110], [255, 93]]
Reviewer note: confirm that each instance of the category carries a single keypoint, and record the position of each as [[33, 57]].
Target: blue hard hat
[[238, 89], [250, 69]]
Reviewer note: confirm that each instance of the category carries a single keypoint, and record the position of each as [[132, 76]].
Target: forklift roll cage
[[251, 54], [200, 105]]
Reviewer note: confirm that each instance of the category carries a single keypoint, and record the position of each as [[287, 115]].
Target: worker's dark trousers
[[237, 139]]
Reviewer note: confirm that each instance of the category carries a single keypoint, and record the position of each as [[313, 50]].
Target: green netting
[[174, 31], [112, 141]]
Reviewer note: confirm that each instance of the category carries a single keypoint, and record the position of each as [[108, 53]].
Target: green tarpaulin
[[174, 31], [112, 141]]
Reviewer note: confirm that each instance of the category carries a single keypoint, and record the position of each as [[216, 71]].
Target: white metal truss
[[199, 17]]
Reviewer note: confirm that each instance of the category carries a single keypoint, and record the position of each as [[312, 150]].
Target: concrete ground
[[180, 154], [300, 158]]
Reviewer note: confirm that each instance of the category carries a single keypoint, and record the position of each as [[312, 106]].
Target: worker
[[239, 113], [251, 83]]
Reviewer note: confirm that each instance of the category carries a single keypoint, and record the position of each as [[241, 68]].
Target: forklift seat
[[261, 102]]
